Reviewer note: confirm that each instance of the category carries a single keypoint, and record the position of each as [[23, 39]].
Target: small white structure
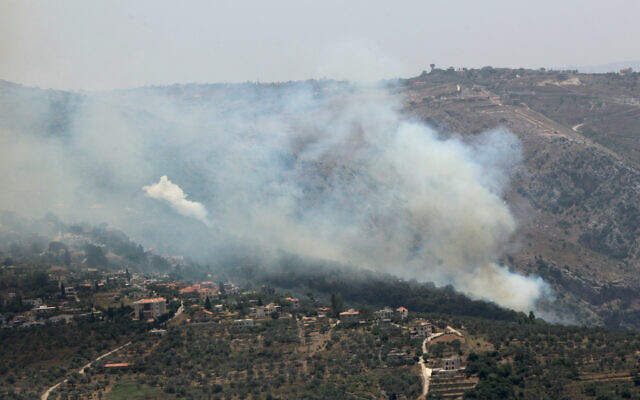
[[243, 323]]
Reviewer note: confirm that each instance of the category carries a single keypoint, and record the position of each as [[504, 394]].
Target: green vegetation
[[370, 288], [35, 358], [132, 390]]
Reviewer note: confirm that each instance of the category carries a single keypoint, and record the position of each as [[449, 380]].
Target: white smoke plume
[[350, 180], [177, 199], [320, 169]]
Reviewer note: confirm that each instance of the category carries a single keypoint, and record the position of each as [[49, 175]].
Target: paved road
[[45, 395]]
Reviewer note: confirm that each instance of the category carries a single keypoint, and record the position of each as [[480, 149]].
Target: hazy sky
[[105, 44]]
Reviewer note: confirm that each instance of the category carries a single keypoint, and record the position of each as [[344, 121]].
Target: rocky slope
[[577, 196]]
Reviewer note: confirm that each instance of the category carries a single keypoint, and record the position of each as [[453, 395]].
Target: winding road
[[46, 394]]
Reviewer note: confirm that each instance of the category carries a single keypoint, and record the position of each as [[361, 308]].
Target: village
[[433, 351]]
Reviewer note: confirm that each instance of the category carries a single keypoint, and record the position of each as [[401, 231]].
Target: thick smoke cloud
[[319, 169], [177, 199]]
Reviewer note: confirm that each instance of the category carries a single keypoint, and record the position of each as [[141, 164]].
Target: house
[[61, 319], [209, 293], [295, 303], [158, 332], [230, 288], [188, 290], [150, 308], [451, 363], [402, 312], [626, 71], [271, 308], [44, 310], [264, 311], [203, 316], [385, 313], [323, 311], [424, 329], [117, 365], [32, 302], [396, 356], [257, 312], [350, 317], [243, 323]]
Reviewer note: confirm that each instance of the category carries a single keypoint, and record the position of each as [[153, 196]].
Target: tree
[[95, 256], [66, 258], [207, 304], [63, 294], [336, 304]]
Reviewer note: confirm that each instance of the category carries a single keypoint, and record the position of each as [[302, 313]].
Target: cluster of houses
[[41, 314], [382, 317], [204, 290]]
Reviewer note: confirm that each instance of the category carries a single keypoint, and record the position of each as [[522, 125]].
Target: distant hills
[[604, 68]]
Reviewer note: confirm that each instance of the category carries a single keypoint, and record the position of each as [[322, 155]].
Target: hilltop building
[[402, 313]]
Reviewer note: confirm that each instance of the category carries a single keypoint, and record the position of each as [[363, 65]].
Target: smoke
[[177, 199], [325, 170]]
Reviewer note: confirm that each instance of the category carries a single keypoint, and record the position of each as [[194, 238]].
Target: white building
[[385, 313], [263, 311], [243, 323], [150, 308]]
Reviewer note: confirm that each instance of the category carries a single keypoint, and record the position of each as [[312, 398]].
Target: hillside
[[575, 199]]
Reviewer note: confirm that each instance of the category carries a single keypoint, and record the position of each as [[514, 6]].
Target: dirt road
[[45, 395], [426, 372]]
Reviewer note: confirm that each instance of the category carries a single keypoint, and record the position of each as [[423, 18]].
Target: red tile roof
[[116, 365]]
